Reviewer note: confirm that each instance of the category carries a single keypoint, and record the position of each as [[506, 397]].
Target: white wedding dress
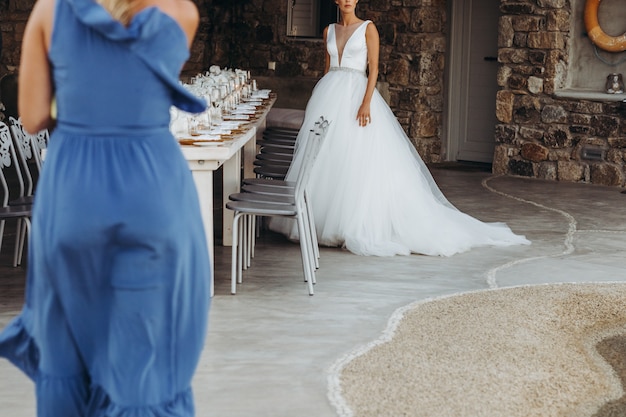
[[370, 190]]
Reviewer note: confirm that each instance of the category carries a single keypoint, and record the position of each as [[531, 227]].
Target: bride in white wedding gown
[[369, 189]]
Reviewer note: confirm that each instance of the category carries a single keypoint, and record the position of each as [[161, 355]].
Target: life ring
[[595, 32]]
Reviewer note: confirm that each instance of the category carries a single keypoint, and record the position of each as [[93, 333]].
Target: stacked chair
[[27, 163], [275, 152], [13, 206], [269, 195], [28, 153]]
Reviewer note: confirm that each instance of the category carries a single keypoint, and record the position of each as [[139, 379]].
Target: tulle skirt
[[370, 190]]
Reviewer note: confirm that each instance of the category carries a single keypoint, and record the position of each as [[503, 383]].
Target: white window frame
[[303, 18]]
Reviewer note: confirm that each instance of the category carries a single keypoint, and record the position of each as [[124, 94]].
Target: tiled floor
[[270, 346]]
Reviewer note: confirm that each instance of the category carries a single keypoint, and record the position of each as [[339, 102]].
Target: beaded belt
[[347, 70]]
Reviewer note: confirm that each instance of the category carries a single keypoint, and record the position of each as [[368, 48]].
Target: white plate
[[206, 136], [216, 143]]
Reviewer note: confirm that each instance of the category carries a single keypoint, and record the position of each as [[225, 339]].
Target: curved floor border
[[334, 372], [568, 241], [334, 385]]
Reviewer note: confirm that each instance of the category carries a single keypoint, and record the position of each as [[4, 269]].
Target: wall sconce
[[614, 84]]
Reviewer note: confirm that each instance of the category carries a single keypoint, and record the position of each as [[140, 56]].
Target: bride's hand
[[363, 116]]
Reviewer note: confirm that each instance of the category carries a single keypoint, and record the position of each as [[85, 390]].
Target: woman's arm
[[35, 89], [326, 55], [373, 47], [186, 14]]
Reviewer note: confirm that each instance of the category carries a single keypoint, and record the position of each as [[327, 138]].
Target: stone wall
[[541, 135], [13, 17], [251, 33], [538, 135]]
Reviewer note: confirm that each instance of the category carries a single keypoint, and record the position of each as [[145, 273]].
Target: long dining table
[[235, 156]]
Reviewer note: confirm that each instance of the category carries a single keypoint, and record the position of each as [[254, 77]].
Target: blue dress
[[118, 276]]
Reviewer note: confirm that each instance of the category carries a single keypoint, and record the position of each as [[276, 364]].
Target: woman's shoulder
[[183, 9], [184, 12], [370, 27]]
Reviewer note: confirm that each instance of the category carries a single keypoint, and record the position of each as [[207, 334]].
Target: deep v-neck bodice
[[354, 53]]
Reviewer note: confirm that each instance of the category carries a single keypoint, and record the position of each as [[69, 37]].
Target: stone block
[[434, 43], [504, 72], [537, 57], [500, 165], [520, 40], [504, 106], [546, 40], [547, 171], [605, 125], [505, 32], [511, 55], [429, 150], [615, 156], [517, 8], [526, 110], [586, 107], [558, 20], [527, 23], [387, 33], [552, 4], [428, 125], [522, 168], [534, 152], [560, 155], [554, 114], [535, 85], [426, 20], [619, 142], [517, 82], [531, 133], [506, 134], [557, 137], [580, 119], [607, 174], [429, 72], [409, 43], [398, 71], [570, 171], [580, 130]]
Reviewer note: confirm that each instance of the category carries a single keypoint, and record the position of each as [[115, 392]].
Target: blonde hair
[[121, 10]]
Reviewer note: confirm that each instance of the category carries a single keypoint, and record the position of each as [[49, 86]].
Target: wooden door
[[472, 84]]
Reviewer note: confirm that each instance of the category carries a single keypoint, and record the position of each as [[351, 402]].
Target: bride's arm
[[327, 55], [373, 47]]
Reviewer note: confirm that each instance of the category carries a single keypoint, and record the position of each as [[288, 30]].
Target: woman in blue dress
[[117, 292]]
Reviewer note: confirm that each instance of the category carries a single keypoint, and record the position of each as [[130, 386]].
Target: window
[[308, 18]]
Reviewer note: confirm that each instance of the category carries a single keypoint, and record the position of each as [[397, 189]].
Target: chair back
[[40, 142], [312, 147], [8, 165], [27, 155]]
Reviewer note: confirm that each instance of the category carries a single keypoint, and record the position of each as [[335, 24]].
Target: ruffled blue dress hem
[[19, 347], [180, 406]]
